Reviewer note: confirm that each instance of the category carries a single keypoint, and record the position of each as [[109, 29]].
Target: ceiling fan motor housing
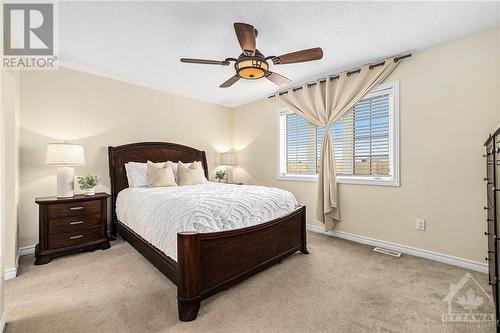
[[251, 67]]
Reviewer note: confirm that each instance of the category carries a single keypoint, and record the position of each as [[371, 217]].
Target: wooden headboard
[[142, 152]]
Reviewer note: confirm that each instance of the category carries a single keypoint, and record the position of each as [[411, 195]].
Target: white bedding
[[158, 214]]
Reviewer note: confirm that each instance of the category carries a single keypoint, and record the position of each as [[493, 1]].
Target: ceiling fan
[[252, 64]]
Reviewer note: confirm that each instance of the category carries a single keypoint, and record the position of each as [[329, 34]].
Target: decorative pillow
[[195, 165], [189, 174], [160, 176], [137, 173]]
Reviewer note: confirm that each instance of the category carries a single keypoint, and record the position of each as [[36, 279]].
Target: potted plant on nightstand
[[220, 175], [88, 183]]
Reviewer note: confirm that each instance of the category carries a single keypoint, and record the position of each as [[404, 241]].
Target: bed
[[202, 263]]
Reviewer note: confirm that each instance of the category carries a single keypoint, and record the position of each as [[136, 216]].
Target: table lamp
[[65, 156], [229, 159]]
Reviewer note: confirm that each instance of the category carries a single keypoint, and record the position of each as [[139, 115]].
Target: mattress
[[158, 214]]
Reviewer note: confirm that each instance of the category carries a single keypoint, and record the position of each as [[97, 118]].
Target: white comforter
[[158, 214]]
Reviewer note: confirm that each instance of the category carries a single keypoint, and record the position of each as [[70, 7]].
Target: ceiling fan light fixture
[[251, 68], [252, 64]]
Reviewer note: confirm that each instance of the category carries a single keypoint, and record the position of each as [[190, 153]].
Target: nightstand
[[71, 225]]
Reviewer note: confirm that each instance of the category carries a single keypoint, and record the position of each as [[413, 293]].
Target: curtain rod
[[349, 73]]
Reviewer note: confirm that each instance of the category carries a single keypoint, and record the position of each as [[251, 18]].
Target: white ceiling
[[141, 42]]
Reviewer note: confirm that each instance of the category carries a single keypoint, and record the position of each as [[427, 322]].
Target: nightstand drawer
[[73, 224], [80, 209], [75, 238]]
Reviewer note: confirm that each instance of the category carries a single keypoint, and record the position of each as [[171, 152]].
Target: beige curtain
[[322, 104]]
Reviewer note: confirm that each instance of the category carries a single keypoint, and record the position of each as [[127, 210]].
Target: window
[[366, 142]]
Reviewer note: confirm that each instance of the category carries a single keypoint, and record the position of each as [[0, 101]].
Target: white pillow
[[137, 173]]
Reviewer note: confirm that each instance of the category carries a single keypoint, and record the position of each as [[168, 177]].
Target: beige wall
[[10, 108], [97, 112], [448, 105]]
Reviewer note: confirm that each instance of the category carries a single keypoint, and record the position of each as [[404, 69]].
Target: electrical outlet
[[420, 225]]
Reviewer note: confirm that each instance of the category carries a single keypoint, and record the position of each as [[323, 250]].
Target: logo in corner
[[29, 36], [468, 304]]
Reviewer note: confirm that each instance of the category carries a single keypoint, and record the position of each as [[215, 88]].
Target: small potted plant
[[88, 183], [220, 175]]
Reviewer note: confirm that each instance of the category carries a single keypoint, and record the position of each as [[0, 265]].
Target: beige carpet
[[340, 287]]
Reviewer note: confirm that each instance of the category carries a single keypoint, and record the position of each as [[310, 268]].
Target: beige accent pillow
[[160, 176], [191, 173], [198, 166]]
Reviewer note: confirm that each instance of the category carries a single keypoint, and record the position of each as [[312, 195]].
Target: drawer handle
[[77, 208], [76, 222], [486, 259], [76, 237]]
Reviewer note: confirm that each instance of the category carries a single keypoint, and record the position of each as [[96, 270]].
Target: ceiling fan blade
[[280, 80], [204, 61], [299, 56], [246, 37], [230, 82]]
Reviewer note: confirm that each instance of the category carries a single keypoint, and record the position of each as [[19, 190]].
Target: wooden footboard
[[210, 262]]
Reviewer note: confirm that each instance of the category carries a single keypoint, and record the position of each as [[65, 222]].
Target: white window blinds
[[301, 139]]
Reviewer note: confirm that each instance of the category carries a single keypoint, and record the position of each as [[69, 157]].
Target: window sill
[[302, 178], [377, 181]]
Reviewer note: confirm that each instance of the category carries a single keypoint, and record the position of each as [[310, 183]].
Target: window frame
[[393, 180]]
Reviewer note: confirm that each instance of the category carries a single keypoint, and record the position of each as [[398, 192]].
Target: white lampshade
[[65, 154], [228, 159]]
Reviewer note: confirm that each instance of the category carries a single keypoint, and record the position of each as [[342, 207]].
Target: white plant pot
[[89, 191]]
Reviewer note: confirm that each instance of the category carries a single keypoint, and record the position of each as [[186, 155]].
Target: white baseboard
[[24, 251], [435, 256], [11, 273], [3, 322]]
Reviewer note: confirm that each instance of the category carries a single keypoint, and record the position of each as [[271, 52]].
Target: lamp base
[[65, 182]]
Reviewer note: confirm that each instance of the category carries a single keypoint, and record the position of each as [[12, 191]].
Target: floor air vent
[[387, 251]]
